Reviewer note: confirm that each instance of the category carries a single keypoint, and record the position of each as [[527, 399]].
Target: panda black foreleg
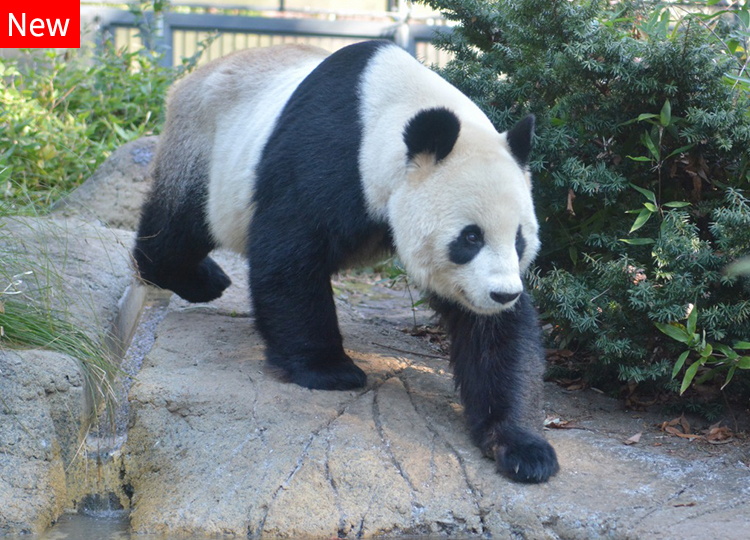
[[172, 248], [497, 364], [295, 313]]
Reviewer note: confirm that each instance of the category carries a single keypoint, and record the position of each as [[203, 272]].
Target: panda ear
[[519, 139], [431, 131]]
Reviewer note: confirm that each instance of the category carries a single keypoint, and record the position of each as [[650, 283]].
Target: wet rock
[[81, 270]]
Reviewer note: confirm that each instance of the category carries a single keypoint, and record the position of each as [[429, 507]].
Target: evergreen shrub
[[641, 173], [63, 112]]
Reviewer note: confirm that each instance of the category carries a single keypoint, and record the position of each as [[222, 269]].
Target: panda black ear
[[431, 131], [519, 139]]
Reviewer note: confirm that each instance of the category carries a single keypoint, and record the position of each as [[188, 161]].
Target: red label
[[40, 23]]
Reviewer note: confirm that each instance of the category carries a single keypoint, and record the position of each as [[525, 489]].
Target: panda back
[[247, 92], [308, 182]]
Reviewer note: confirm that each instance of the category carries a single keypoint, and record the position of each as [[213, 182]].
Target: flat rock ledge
[[217, 445]]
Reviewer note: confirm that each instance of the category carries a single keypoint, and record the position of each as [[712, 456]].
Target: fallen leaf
[[554, 422], [634, 439], [685, 424], [723, 441], [674, 431], [717, 434]]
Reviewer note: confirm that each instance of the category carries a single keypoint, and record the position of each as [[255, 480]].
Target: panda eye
[[466, 245], [471, 238]]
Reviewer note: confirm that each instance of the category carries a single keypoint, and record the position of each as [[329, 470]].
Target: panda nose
[[504, 298]]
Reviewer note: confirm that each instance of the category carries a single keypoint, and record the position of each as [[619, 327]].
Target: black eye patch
[[466, 246], [520, 244]]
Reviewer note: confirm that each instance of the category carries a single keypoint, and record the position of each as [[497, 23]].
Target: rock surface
[[71, 264], [81, 269], [218, 445], [115, 192], [40, 411]]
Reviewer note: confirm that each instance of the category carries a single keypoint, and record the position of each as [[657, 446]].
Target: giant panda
[[308, 163]]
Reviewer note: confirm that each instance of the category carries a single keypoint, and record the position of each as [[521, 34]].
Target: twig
[[427, 355], [729, 408]]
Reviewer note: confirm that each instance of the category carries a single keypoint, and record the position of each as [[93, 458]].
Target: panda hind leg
[[172, 248], [303, 342]]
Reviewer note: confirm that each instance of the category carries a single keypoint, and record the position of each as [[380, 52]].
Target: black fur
[[310, 217], [173, 241], [497, 365], [520, 139], [503, 297], [467, 246], [432, 131], [520, 244]]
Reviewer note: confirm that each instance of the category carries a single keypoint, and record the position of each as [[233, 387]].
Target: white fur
[[428, 204], [243, 125]]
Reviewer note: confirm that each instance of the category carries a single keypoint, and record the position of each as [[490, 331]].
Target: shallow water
[[82, 527], [114, 526]]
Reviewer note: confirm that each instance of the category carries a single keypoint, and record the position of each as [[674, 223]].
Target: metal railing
[[179, 34]]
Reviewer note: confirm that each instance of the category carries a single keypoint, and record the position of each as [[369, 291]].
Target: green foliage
[[730, 29], [61, 116], [63, 112], [718, 357], [640, 164]]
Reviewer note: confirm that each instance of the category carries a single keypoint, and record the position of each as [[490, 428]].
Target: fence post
[[167, 42], [405, 39]]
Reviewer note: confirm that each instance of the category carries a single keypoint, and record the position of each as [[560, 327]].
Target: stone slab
[[218, 445]]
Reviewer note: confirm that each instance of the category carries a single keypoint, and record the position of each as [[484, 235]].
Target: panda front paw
[[529, 459]]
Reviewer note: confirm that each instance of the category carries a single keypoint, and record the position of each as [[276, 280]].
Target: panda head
[[463, 221]]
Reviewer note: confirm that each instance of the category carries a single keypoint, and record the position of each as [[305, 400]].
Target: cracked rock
[[217, 445]]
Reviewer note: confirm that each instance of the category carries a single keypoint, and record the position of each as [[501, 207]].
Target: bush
[[640, 161], [62, 115], [63, 112]]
